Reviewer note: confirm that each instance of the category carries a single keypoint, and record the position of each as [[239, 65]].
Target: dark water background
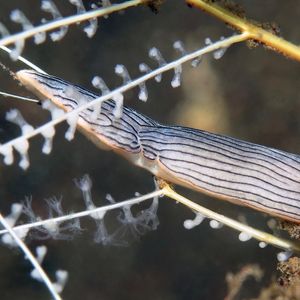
[[249, 94]]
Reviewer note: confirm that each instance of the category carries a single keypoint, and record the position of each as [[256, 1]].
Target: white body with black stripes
[[244, 173]]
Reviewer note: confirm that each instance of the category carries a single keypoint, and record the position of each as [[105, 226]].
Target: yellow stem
[[255, 32], [255, 233]]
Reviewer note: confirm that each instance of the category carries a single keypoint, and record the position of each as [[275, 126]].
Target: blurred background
[[248, 94]]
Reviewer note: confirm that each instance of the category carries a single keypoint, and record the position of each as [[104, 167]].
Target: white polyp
[[72, 121], [19, 17], [47, 105], [57, 113], [208, 41], [22, 146], [262, 245], [196, 62], [219, 53], [16, 211], [284, 255], [7, 152], [97, 215], [189, 224], [40, 38], [110, 198], [11, 219], [215, 224], [144, 68], [41, 252], [100, 84], [7, 239], [24, 162], [47, 146], [143, 93], [61, 280], [50, 7], [85, 184], [11, 115], [123, 72], [119, 69], [118, 111], [244, 237], [91, 29], [16, 117], [58, 35], [158, 78], [48, 133], [52, 227], [178, 45], [94, 6], [26, 129], [16, 52], [35, 274], [53, 109], [176, 81], [155, 54], [22, 232]]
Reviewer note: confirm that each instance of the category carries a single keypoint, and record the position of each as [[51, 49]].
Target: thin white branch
[[19, 97], [112, 94], [85, 213], [32, 259], [11, 39], [24, 60], [221, 219]]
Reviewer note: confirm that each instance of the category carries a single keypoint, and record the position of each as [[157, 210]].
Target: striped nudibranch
[[244, 173]]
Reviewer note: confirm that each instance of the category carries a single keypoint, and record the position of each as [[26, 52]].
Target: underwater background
[[250, 94]]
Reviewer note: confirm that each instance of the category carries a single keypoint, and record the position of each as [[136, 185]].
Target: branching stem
[[31, 258], [169, 66], [255, 32], [255, 233], [11, 39], [81, 214]]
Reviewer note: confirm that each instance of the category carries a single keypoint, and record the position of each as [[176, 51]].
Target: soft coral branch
[[243, 25], [58, 23]]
